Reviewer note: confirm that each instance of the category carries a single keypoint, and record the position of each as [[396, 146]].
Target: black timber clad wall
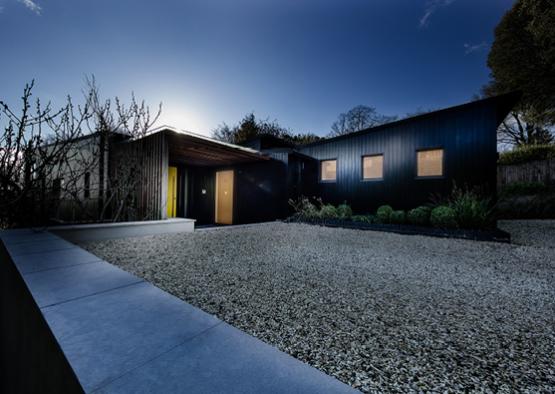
[[302, 176], [201, 206], [259, 192], [467, 134]]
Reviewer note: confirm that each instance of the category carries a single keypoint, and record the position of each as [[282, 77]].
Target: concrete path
[[121, 334]]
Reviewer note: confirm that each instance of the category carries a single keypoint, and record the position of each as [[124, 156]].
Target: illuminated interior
[[328, 170], [372, 167], [430, 162]]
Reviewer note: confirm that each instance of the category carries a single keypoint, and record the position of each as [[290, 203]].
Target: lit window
[[430, 162], [372, 167], [328, 170]]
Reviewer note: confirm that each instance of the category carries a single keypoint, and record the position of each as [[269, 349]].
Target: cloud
[[470, 48], [431, 7], [31, 5]]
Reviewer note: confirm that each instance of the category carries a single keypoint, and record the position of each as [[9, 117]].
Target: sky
[[297, 62]]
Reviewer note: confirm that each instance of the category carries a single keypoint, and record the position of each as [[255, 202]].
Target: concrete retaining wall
[[104, 231], [31, 360]]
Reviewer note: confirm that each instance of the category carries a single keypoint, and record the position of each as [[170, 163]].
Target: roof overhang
[[194, 149]]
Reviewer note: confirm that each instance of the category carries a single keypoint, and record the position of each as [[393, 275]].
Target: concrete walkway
[[121, 334]]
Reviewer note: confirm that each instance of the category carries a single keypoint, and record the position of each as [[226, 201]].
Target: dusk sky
[[299, 62]]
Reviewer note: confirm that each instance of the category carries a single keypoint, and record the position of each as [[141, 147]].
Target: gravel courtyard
[[379, 311]]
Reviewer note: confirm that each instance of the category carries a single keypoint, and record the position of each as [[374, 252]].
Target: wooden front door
[[172, 192], [224, 197]]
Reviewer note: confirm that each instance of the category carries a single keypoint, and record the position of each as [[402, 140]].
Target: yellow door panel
[[172, 192]]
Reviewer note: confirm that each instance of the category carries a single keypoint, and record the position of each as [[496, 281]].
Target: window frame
[[362, 178], [443, 167], [320, 180]]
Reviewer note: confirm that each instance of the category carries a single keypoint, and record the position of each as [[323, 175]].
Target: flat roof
[[196, 149]]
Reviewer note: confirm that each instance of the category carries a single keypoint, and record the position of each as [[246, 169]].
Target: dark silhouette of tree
[[115, 194], [57, 161], [515, 131], [250, 128], [34, 145], [223, 133], [301, 139], [247, 129], [522, 58], [358, 118], [419, 111], [520, 127]]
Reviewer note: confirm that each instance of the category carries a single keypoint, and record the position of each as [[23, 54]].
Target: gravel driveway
[[380, 311]]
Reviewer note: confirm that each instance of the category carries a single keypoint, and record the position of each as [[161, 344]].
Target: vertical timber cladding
[[201, 194], [260, 192], [467, 135], [154, 166], [151, 155]]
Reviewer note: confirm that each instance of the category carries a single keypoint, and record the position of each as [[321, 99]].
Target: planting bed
[[495, 235]]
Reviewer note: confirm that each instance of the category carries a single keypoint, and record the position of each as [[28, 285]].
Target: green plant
[[419, 216], [383, 213], [527, 153], [304, 209], [363, 218], [328, 211], [524, 189], [443, 216], [344, 211], [471, 210], [397, 217], [537, 206]]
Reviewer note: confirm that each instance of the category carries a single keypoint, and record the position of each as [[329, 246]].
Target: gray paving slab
[[64, 284], [225, 360], [123, 335], [106, 335], [23, 248], [55, 259]]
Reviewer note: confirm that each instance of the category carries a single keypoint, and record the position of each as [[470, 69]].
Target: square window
[[430, 162], [328, 170], [372, 167]]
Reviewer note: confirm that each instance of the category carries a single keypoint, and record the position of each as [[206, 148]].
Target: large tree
[[303, 138], [358, 118], [516, 131], [520, 127], [250, 128], [522, 58]]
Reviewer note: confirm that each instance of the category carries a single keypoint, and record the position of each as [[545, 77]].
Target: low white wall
[[103, 231]]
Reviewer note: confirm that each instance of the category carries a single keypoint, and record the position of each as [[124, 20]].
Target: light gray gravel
[[380, 311], [530, 232]]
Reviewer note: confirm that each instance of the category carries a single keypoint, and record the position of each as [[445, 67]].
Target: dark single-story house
[[402, 164]]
